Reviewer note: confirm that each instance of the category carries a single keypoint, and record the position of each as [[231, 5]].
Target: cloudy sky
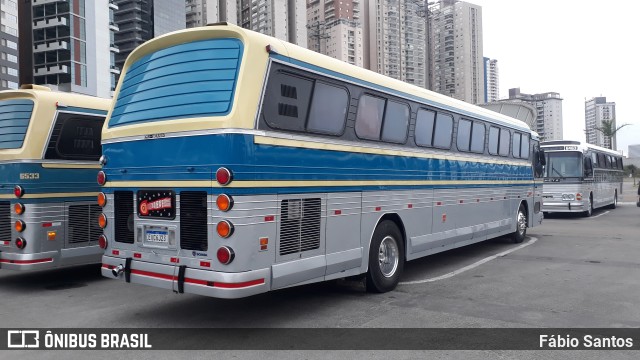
[[578, 48]]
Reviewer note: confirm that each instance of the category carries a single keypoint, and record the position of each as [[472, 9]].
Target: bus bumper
[[566, 206], [37, 261], [194, 281]]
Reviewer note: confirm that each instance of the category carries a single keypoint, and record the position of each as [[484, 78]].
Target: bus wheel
[[386, 258], [589, 210], [615, 201], [521, 226]]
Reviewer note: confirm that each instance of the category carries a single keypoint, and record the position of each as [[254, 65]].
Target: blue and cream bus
[[49, 152], [235, 164], [580, 177]]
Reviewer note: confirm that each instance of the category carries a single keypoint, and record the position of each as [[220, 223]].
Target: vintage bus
[[580, 177], [235, 163], [49, 152]]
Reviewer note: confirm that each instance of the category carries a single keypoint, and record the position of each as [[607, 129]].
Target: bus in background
[[49, 152], [235, 164], [580, 177]]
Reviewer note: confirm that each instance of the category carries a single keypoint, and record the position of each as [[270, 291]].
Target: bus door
[[539, 162]]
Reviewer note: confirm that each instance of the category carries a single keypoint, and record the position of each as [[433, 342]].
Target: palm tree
[[609, 129]]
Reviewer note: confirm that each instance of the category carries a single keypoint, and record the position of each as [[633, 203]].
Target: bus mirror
[[588, 167], [542, 158], [539, 170]]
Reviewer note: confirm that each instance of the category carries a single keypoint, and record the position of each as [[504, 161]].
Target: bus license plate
[[157, 236]]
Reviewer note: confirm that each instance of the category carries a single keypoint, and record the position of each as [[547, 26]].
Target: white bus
[[580, 177]]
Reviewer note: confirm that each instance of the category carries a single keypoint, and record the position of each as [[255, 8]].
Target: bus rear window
[[14, 121], [195, 79], [75, 137]]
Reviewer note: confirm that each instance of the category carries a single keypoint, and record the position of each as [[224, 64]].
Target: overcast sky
[[578, 48]]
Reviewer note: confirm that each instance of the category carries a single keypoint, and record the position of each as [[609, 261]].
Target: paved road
[[574, 272]]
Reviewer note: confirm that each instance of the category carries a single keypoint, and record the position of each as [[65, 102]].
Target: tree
[[609, 130]]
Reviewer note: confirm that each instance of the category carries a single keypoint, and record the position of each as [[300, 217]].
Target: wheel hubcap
[[522, 222], [388, 256]]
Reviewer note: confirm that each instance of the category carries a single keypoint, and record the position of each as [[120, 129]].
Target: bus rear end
[[175, 143], [49, 150]]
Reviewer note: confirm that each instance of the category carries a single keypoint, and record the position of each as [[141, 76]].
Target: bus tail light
[[21, 243], [224, 202], [224, 229], [18, 191], [225, 255], [579, 197], [102, 242], [102, 199], [18, 208], [223, 176], [102, 220], [20, 226], [102, 178]]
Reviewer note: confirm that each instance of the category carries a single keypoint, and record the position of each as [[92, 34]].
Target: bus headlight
[[568, 197]]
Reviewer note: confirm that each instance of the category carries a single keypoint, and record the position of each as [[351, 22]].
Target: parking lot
[[571, 272]]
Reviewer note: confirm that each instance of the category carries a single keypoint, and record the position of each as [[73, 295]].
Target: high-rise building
[[491, 80], [203, 12], [595, 111], [9, 45], [334, 29], [70, 40], [548, 123], [282, 19], [142, 20], [395, 33], [455, 41], [634, 151]]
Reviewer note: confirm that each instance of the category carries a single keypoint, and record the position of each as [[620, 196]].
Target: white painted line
[[469, 267], [597, 216], [626, 203]]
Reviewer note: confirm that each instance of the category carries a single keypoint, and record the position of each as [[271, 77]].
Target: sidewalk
[[629, 193]]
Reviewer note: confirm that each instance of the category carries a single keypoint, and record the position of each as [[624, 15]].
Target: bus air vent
[[300, 225], [83, 224], [193, 220], [123, 208], [5, 221], [288, 91], [287, 110]]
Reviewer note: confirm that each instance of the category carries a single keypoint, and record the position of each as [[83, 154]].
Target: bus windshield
[[563, 164]]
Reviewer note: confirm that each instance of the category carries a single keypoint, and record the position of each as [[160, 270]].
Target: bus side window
[[477, 137], [594, 159], [328, 111], [75, 137], [505, 141], [369, 117], [464, 135], [286, 101], [516, 145], [524, 148], [494, 138], [396, 122], [425, 121], [443, 131]]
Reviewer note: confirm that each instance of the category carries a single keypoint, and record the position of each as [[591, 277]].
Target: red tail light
[[223, 176], [18, 191], [225, 255], [102, 242], [21, 243], [102, 178]]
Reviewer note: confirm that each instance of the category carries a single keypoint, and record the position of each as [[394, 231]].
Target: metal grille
[[299, 225], [123, 210], [83, 223], [193, 220], [5, 221]]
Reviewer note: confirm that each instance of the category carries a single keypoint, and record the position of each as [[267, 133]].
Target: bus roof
[[582, 146], [256, 44], [45, 105]]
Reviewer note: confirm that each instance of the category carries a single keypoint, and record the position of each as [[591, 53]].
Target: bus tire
[[521, 226], [615, 201], [386, 258], [589, 210]]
